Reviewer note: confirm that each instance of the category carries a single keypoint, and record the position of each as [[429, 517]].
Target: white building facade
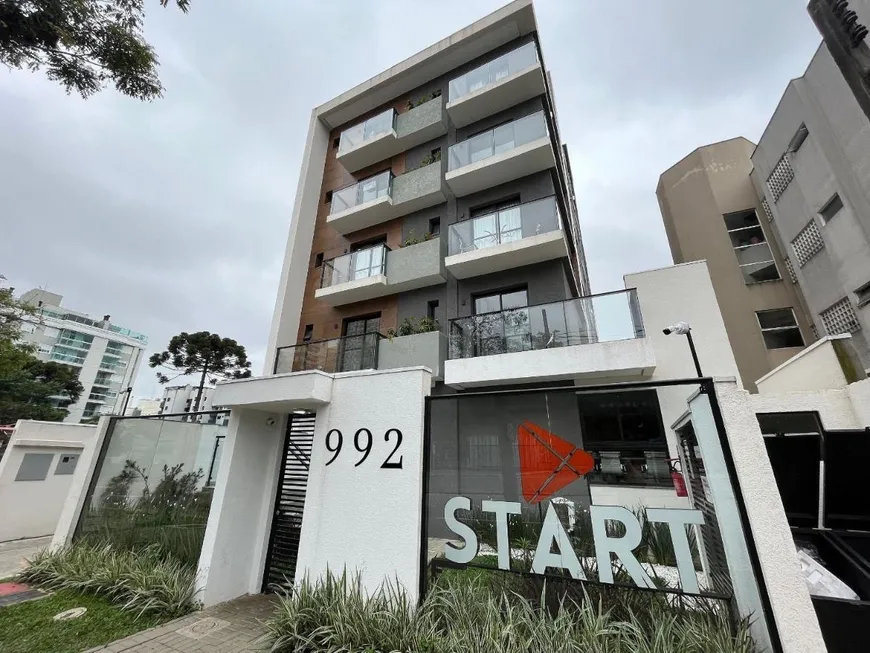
[[106, 356]]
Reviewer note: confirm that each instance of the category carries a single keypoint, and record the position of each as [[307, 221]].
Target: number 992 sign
[[363, 442]]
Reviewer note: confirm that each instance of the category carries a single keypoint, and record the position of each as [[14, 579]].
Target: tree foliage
[[203, 353], [82, 44], [12, 314], [29, 386]]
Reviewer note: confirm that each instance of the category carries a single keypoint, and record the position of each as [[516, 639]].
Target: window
[[807, 243], [309, 332], [34, 467], [435, 226], [788, 423], [862, 295], [779, 328], [831, 209], [840, 318], [751, 247], [501, 301], [318, 260], [798, 139], [502, 323], [327, 199], [44, 349], [431, 309]]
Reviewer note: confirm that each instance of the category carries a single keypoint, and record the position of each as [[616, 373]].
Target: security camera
[[680, 328]]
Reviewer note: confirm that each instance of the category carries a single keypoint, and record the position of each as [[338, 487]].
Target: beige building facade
[[711, 212]]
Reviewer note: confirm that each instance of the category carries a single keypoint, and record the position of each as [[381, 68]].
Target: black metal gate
[[289, 503]]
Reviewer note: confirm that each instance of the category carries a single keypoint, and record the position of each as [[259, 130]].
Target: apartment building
[[711, 212], [812, 169], [182, 399], [107, 356], [427, 199]]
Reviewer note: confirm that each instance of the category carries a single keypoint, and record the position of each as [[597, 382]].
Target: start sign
[[554, 537]]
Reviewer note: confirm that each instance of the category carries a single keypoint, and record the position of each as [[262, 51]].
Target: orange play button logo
[[547, 462]]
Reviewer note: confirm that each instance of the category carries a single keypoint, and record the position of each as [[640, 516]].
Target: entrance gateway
[[283, 548]]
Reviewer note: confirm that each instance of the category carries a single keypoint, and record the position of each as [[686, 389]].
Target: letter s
[[467, 553]]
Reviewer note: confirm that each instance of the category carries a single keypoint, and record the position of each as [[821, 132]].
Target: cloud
[[172, 215]]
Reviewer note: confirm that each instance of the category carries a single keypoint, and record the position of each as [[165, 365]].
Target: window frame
[[834, 198], [796, 327]]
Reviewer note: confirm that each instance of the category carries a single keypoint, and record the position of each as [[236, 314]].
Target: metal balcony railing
[[360, 264], [505, 226], [497, 141], [347, 354], [365, 131], [493, 71], [580, 321]]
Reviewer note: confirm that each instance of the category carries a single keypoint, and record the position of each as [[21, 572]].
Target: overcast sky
[[172, 215]]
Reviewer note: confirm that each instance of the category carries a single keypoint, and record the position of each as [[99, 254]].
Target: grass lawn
[[29, 628]]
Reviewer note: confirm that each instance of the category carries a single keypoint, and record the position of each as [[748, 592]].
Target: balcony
[[379, 271], [520, 235], [384, 197], [599, 336], [348, 354], [508, 152], [390, 133], [495, 86], [418, 349]]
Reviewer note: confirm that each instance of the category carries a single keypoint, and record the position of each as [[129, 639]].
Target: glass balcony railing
[[493, 71], [580, 321], [505, 226], [346, 354], [496, 141], [365, 191], [366, 131], [360, 264]]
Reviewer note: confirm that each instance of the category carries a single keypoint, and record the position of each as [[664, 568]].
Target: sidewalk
[[230, 627], [13, 553]]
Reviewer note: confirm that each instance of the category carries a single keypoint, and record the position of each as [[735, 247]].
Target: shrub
[[462, 614], [413, 240], [413, 325], [143, 580]]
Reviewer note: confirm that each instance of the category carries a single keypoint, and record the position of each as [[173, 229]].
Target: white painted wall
[[789, 597], [835, 407], [366, 518], [232, 557], [814, 368], [33, 508]]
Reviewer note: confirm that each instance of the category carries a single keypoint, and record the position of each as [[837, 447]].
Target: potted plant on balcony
[[411, 326]]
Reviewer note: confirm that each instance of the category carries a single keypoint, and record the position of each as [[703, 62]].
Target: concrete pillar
[[236, 536]]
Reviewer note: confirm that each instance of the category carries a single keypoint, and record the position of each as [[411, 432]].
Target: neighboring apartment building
[[182, 399], [812, 167], [146, 407], [444, 193], [106, 355], [711, 212]]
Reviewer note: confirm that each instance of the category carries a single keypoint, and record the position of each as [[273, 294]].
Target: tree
[[12, 313], [29, 386], [203, 353], [82, 44]]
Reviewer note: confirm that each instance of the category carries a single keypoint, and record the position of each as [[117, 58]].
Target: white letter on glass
[[502, 539], [467, 553], [677, 520], [566, 558], [623, 547]]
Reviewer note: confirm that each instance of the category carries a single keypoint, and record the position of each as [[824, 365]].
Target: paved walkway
[[230, 627], [13, 553]]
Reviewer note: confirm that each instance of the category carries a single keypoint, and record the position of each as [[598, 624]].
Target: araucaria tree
[[82, 44], [203, 353]]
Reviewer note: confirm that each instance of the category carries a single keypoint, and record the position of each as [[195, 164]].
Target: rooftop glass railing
[[505, 226], [493, 71], [364, 191], [366, 131], [360, 264], [497, 141], [580, 321], [347, 354]]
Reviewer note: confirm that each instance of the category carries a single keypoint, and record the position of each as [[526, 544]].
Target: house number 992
[[362, 442]]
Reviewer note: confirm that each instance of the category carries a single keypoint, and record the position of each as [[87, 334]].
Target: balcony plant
[[411, 326], [413, 240], [423, 100]]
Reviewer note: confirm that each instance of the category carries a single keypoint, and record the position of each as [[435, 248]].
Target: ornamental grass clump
[[465, 614], [145, 581]]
